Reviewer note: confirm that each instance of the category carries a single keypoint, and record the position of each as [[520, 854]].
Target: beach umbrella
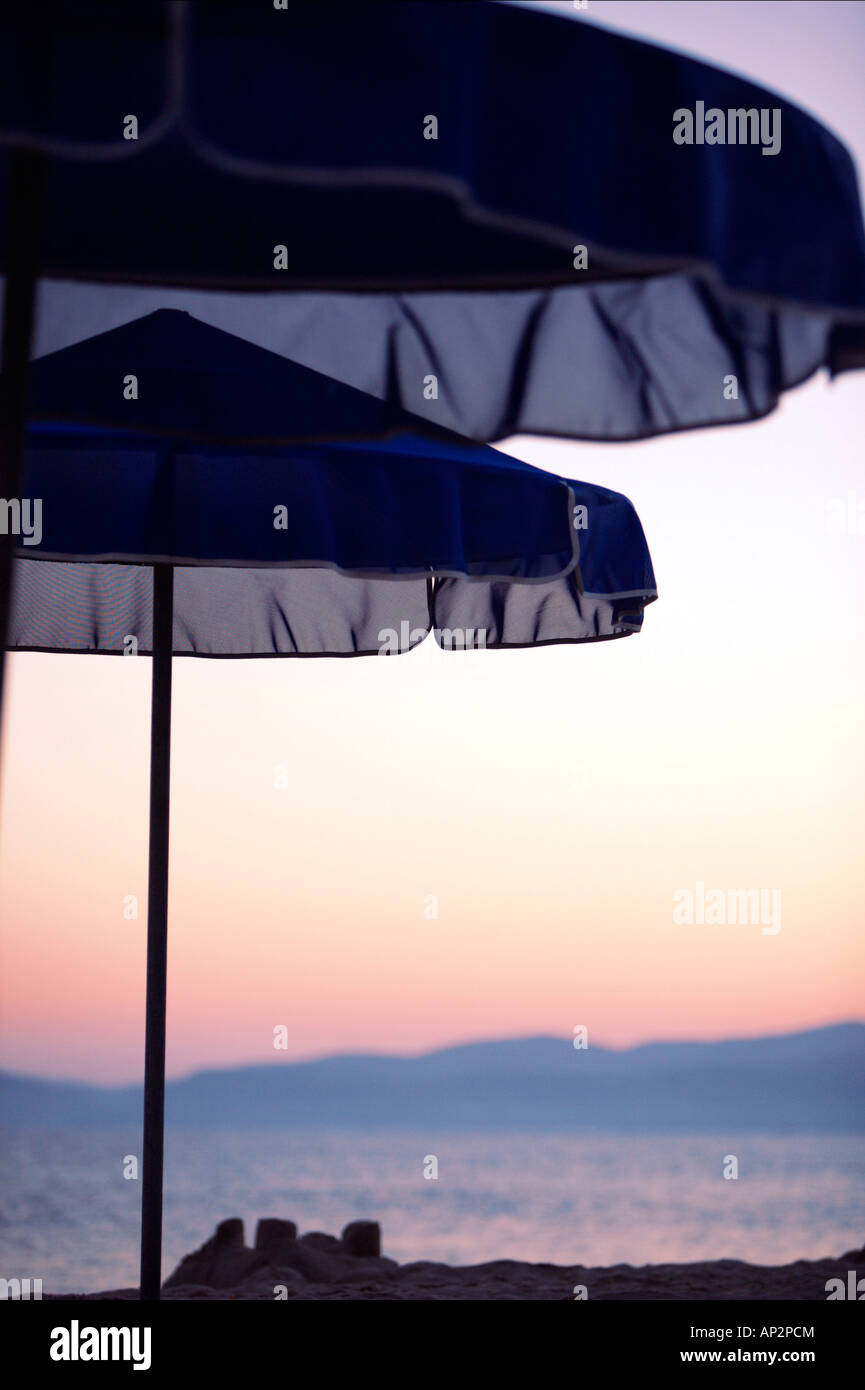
[[504, 220], [181, 501]]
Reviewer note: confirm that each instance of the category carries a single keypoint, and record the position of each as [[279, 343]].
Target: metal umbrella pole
[[157, 935]]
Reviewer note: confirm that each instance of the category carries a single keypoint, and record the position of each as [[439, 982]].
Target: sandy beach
[[319, 1266]]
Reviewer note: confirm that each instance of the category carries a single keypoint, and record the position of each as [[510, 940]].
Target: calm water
[[67, 1215]]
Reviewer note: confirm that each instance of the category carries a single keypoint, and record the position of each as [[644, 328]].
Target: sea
[[69, 1198]]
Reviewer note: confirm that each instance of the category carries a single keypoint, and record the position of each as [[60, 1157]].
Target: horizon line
[[302, 1060]]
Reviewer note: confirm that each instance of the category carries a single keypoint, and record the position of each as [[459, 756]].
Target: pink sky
[[552, 800]]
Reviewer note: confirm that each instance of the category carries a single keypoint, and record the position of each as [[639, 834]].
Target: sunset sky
[[553, 800]]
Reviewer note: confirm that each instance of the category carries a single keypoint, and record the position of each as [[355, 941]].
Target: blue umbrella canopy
[[500, 220], [166, 440], [580, 233]]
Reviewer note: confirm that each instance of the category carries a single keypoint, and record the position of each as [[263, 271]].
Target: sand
[[318, 1266]]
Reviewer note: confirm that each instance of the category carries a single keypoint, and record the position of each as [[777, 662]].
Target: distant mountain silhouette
[[800, 1081]]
